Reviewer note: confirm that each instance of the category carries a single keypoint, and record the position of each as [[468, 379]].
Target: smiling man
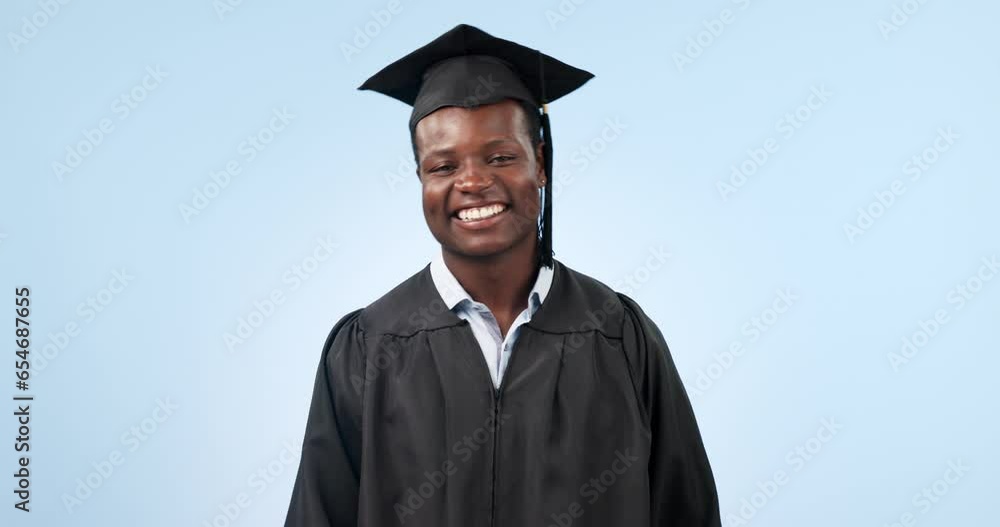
[[496, 386]]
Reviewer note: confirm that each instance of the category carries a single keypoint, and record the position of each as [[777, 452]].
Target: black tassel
[[545, 243], [546, 239]]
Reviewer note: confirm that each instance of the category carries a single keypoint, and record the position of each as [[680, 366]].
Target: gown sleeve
[[682, 487], [326, 486]]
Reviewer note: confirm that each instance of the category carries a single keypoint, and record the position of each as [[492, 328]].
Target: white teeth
[[480, 213]]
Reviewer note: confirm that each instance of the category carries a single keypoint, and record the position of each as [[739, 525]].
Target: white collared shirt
[[496, 350]]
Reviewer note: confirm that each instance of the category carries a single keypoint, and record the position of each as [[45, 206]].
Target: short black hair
[[533, 123]]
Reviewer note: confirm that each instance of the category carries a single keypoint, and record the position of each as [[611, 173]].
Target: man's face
[[473, 163]]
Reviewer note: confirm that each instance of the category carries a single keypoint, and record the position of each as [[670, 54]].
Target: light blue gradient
[[338, 169]]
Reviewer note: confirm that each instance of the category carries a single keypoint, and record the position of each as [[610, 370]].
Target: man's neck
[[502, 282]]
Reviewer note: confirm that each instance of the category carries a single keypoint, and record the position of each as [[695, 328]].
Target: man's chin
[[484, 249]]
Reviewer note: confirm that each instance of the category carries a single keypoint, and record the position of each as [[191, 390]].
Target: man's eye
[[442, 168], [501, 159]]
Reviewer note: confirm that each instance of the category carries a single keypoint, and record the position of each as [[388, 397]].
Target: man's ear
[[540, 158]]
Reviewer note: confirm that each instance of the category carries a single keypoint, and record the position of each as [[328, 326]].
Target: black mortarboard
[[468, 67]]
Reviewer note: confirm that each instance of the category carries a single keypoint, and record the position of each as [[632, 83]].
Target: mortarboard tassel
[[546, 238], [546, 242]]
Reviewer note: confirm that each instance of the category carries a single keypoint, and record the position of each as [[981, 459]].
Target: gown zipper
[[497, 410]]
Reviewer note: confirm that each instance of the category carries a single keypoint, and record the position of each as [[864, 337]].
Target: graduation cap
[[468, 67]]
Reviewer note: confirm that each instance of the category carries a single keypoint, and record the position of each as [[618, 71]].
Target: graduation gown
[[591, 426]]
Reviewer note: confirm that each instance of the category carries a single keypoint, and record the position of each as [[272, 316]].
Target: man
[[496, 386]]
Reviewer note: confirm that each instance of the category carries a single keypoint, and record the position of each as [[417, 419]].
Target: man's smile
[[480, 213], [480, 217]]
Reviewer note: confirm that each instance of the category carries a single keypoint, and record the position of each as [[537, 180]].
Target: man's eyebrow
[[499, 141], [440, 151], [489, 144]]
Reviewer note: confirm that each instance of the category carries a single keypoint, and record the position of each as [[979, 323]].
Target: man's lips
[[479, 211], [483, 218]]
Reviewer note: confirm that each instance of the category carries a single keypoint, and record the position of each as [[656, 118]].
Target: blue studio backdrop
[[801, 194]]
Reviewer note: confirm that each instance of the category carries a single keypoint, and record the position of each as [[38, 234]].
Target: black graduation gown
[[591, 426]]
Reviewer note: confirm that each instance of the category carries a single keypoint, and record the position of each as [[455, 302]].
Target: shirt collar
[[453, 293]]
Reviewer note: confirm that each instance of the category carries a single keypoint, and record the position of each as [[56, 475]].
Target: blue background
[[338, 170]]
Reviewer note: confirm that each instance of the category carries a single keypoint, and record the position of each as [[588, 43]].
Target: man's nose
[[474, 177]]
